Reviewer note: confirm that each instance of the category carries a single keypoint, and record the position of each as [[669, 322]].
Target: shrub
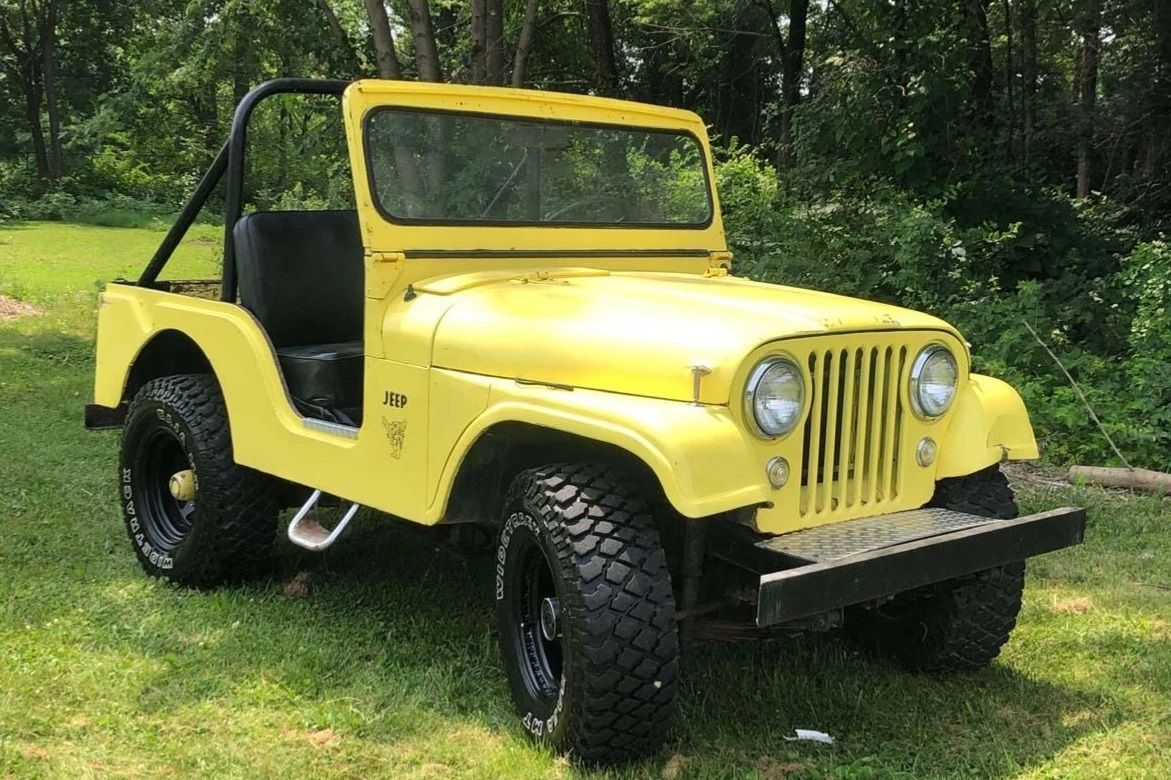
[[1074, 272]]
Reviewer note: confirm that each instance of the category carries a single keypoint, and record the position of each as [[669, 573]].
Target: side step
[[305, 531]]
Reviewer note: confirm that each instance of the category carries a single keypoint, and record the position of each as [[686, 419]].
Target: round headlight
[[775, 396], [933, 381]]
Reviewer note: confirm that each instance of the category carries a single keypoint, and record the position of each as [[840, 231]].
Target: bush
[[108, 211], [1074, 272]]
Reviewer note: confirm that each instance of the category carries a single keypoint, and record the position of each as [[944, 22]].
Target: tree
[[980, 56], [524, 42], [1028, 22], [1090, 29], [791, 47], [480, 57], [602, 45], [384, 53], [28, 37], [423, 34]]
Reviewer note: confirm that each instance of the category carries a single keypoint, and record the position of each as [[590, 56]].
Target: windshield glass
[[461, 168]]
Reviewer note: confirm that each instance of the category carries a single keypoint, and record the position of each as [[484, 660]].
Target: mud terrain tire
[[225, 532], [961, 624], [586, 614]]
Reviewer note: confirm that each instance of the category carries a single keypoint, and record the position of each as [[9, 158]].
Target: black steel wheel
[[166, 516], [586, 615], [957, 625], [534, 628], [193, 515]]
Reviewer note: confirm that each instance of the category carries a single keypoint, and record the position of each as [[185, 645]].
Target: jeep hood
[[637, 333]]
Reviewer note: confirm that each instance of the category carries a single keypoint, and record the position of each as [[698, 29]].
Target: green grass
[[389, 667]]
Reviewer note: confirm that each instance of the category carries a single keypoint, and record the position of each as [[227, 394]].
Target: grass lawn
[[389, 666]]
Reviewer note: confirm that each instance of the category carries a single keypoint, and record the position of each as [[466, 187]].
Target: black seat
[[300, 273]]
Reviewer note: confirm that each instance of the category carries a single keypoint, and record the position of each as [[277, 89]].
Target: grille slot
[[853, 431]]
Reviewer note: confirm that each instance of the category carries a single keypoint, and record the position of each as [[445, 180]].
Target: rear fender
[[227, 339]]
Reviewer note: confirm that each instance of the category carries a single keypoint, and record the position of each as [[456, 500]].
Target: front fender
[[989, 424], [698, 453]]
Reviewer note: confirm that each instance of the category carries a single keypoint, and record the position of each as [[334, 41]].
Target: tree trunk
[[430, 69], [406, 167], [423, 31], [207, 114], [348, 54], [792, 70], [384, 53], [1087, 92], [494, 42], [980, 58], [240, 47], [1157, 142], [1133, 479], [479, 31], [664, 84], [26, 69], [49, 56], [524, 43], [1010, 70], [1028, 20], [32, 112], [902, 42], [602, 46]]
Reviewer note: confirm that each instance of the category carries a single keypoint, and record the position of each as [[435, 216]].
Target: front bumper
[[830, 567]]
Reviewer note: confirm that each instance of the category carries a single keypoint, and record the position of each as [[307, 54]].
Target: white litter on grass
[[811, 736]]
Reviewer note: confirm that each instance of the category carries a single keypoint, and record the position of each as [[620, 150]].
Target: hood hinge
[[382, 270], [719, 264]]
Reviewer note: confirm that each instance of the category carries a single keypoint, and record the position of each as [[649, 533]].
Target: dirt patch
[[301, 586], [1023, 474], [322, 738], [769, 768], [10, 308], [1075, 606], [673, 769]]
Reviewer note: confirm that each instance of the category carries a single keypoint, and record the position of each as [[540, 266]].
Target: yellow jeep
[[528, 323]]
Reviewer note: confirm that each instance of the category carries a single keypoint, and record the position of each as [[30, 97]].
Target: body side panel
[[380, 468]]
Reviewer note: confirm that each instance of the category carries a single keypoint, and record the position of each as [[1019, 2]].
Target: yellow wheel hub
[[182, 485]]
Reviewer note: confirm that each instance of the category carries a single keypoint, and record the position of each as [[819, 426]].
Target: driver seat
[[301, 275]]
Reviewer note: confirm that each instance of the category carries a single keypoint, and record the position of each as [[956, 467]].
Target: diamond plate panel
[[841, 540]]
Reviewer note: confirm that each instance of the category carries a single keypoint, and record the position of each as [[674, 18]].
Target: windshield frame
[[376, 200]]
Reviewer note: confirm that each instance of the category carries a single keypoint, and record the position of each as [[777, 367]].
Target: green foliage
[[112, 210], [1099, 300], [389, 668], [921, 154]]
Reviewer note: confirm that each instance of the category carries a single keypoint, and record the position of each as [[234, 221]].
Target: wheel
[[586, 614], [194, 517], [957, 625]]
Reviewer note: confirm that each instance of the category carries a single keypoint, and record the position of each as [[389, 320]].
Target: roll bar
[[230, 159]]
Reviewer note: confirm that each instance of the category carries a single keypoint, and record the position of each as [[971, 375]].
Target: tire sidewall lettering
[[543, 727], [148, 553], [537, 725], [515, 520]]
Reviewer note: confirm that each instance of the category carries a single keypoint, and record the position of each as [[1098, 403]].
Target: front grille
[[853, 430]]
